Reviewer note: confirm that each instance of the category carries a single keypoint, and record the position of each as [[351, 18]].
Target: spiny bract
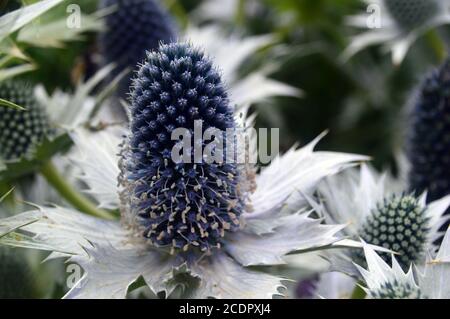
[[20, 131], [410, 14], [398, 224], [183, 205], [396, 290], [134, 27], [429, 136]]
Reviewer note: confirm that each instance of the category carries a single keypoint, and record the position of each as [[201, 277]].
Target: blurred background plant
[[362, 102]]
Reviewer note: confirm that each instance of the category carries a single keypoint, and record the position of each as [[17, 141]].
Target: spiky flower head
[[410, 14], [429, 136], [384, 281], [134, 27], [179, 204], [396, 290], [398, 224], [20, 131]]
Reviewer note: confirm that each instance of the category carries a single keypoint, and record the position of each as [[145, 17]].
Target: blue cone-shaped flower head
[[181, 205], [399, 224], [429, 136], [410, 14], [134, 27], [20, 131]]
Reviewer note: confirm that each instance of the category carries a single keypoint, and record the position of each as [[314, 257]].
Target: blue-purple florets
[[182, 205], [429, 136], [133, 27]]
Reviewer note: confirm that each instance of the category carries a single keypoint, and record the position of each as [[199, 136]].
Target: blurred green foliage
[[362, 102]]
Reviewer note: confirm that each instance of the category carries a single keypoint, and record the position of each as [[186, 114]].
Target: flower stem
[[54, 178], [358, 292], [177, 9], [438, 46], [240, 13]]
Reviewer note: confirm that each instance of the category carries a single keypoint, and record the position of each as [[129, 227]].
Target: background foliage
[[362, 102]]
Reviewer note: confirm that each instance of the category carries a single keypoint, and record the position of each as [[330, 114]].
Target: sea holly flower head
[[20, 130], [381, 214], [430, 280], [397, 24], [179, 204], [399, 224], [396, 290], [429, 135], [208, 221], [131, 28], [396, 284]]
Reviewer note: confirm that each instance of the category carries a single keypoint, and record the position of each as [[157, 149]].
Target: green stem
[[438, 46], [5, 193], [51, 174], [240, 13], [358, 292], [177, 9]]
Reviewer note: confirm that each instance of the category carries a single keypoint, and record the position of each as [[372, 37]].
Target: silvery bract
[[378, 211], [391, 282], [396, 24], [230, 52]]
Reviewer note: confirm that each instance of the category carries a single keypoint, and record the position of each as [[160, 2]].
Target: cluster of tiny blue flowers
[[181, 205], [134, 27], [398, 224], [429, 136], [412, 13], [20, 131]]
